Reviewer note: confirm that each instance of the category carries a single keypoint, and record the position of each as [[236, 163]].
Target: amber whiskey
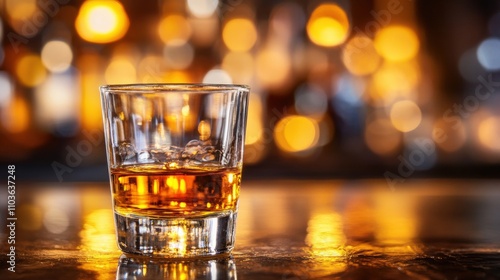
[[159, 192]]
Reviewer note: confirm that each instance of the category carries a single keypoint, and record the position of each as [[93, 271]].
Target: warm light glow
[[174, 27], [57, 101], [120, 71], [18, 12], [202, 8], [273, 66], [98, 233], [405, 115], [395, 80], [204, 130], [176, 76], [230, 178], [240, 65], [102, 21], [142, 185], [30, 70], [296, 133], [396, 222], [359, 56], [381, 137], [325, 235], [17, 116], [6, 89], [182, 186], [239, 34], [185, 110], [20, 9], [489, 133], [397, 43], [57, 56], [328, 25]]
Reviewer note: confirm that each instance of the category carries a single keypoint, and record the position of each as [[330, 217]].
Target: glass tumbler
[[175, 159]]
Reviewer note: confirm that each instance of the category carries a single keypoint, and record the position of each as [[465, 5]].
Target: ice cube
[[126, 151], [144, 157], [159, 156], [173, 153]]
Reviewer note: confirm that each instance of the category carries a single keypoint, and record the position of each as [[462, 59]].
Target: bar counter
[[300, 229]]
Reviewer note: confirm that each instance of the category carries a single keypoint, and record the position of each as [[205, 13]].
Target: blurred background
[[340, 89]]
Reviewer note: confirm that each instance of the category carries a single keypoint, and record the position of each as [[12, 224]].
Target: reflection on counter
[[329, 229], [147, 268]]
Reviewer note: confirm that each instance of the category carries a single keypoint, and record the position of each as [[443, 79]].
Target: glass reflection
[[98, 243], [147, 268]]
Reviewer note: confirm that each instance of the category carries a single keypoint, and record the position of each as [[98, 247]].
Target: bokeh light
[[239, 34], [20, 9], [102, 21], [395, 80], [328, 25], [489, 133], [405, 115], [381, 137], [273, 67], [30, 70], [202, 8], [120, 71], [174, 27], [397, 43], [296, 133], [217, 76], [19, 13], [6, 89], [57, 56], [359, 56], [57, 91], [488, 54], [16, 117], [240, 65]]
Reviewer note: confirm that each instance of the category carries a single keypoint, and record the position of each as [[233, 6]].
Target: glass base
[[176, 237]]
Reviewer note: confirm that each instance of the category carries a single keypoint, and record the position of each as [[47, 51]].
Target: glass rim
[[171, 87]]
